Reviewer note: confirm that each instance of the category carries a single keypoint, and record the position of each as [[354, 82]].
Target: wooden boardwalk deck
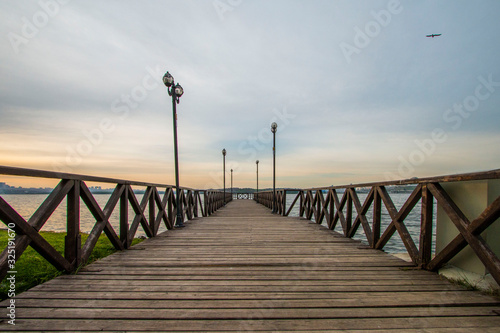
[[244, 269]]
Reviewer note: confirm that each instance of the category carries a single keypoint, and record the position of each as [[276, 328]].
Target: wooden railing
[[266, 198], [243, 196], [214, 200], [324, 204], [149, 213]]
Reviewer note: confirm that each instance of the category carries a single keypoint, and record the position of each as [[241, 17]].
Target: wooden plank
[[271, 313], [254, 322], [390, 299], [182, 288], [222, 279], [398, 330], [445, 297]]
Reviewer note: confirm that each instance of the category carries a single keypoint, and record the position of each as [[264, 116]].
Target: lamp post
[[231, 184], [224, 172], [257, 163], [176, 91], [274, 127]]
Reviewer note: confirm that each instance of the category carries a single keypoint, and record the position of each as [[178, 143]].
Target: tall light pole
[[257, 163], [224, 172], [231, 183], [274, 127], [176, 91]]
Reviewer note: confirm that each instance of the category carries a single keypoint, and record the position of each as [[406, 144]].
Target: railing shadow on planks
[[321, 204], [150, 212]]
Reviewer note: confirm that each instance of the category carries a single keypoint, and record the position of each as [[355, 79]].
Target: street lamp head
[[257, 162], [178, 90], [168, 79], [224, 152], [274, 126], [231, 170]]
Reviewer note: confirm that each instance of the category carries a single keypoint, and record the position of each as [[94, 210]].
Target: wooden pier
[[245, 269]]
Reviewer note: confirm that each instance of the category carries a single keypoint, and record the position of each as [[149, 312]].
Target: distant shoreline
[[31, 191]]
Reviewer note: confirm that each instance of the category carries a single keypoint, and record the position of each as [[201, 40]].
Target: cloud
[[103, 61]]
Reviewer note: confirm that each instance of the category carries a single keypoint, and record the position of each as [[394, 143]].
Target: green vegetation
[[32, 269], [463, 282], [470, 285]]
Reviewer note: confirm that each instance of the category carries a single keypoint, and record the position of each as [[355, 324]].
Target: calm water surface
[[395, 244], [27, 204]]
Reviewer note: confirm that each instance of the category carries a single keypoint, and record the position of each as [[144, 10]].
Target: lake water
[[395, 244], [26, 205]]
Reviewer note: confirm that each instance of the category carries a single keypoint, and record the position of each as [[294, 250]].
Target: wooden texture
[[148, 215], [315, 207], [245, 269]]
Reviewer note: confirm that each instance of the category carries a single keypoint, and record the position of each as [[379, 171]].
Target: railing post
[[72, 246], [377, 217], [215, 202], [169, 206], [348, 218], [301, 203], [331, 213], [152, 212], [196, 197], [319, 207], [181, 205], [283, 209], [189, 206], [425, 250], [308, 204], [124, 218], [206, 203]]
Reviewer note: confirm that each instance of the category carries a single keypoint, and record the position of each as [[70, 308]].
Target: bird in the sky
[[433, 35]]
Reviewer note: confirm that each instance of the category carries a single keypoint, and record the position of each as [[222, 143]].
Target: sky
[[358, 91]]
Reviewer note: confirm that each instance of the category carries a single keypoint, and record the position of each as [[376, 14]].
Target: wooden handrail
[[13, 171], [483, 175]]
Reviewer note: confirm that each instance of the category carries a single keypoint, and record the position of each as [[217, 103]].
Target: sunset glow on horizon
[[357, 90]]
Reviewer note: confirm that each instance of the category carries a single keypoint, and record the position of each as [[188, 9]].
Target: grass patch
[[469, 285], [32, 269], [464, 282]]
